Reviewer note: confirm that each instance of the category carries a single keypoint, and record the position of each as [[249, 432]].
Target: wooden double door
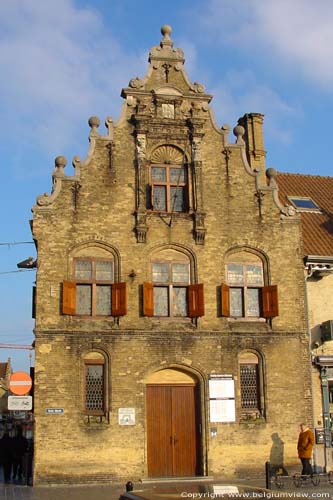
[[173, 437]]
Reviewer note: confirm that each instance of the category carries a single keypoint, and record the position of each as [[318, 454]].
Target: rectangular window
[[179, 301], [83, 299], [169, 188], [245, 282], [161, 301], [103, 300], [95, 388]]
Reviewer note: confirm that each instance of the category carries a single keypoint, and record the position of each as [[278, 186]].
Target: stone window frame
[[195, 291], [97, 357], [94, 251], [250, 357], [268, 296]]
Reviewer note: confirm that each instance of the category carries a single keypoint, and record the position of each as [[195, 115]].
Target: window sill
[[245, 319]]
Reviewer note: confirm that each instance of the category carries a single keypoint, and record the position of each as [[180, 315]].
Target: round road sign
[[20, 383]]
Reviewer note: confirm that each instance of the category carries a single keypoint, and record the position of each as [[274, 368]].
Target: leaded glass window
[[94, 278], [250, 382], [245, 282], [169, 188], [95, 384], [170, 280]]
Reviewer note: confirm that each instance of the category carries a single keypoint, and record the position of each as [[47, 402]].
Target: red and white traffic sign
[[20, 383]]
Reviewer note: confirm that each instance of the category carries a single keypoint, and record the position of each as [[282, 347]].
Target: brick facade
[[104, 211]]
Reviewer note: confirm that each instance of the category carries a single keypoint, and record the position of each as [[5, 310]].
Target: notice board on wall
[[222, 398]]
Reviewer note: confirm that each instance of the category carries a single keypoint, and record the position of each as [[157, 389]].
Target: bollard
[[268, 475], [129, 486]]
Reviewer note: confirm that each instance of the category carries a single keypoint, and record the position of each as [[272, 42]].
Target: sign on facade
[[20, 403], [55, 411], [222, 398], [126, 416]]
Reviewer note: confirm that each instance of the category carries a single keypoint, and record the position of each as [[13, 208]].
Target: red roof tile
[[317, 228]]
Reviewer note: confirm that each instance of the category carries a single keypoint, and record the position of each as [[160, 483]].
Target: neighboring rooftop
[[317, 223]]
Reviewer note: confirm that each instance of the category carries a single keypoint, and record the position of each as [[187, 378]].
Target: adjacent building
[[311, 196], [171, 330]]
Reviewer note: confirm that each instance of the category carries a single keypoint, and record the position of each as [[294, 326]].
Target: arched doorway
[[173, 424]]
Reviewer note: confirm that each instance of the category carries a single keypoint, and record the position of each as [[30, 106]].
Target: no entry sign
[[20, 383]]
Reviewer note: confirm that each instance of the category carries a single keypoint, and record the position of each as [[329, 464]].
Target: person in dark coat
[[6, 455], [19, 447]]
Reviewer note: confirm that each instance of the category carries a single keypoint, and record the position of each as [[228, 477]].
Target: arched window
[[251, 384], [169, 181], [94, 289], [95, 386], [170, 293], [246, 293]]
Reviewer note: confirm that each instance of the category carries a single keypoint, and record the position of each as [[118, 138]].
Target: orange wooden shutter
[[118, 299], [68, 297], [270, 301], [196, 306], [225, 300], [148, 299]]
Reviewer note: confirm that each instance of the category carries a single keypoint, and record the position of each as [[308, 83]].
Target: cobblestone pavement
[[112, 492]]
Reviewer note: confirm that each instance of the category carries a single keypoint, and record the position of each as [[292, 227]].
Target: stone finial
[[60, 163], [271, 173], [166, 41], [239, 132], [94, 123]]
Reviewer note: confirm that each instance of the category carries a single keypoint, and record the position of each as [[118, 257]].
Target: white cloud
[[295, 35], [240, 92], [59, 65]]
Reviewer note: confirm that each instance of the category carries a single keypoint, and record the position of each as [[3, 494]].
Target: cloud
[[59, 64], [240, 92], [294, 36]]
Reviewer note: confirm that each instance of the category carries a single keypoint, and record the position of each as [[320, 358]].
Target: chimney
[[254, 140]]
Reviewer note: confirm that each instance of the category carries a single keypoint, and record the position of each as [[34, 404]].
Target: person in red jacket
[[304, 447]]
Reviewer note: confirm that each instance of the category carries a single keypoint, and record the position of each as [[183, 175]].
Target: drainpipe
[[306, 277]]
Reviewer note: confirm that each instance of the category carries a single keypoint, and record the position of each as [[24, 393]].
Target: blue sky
[[62, 62]]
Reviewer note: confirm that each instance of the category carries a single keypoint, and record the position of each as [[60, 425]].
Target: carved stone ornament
[[141, 227], [199, 228], [136, 83], [196, 152], [141, 146], [198, 88]]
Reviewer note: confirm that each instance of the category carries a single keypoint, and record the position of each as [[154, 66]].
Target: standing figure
[[19, 447], [6, 455], [304, 447]]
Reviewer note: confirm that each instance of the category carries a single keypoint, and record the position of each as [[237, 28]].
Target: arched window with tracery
[[171, 292], [246, 293]]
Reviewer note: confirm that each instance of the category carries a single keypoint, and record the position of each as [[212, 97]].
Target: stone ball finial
[[94, 122], [60, 162], [271, 173], [239, 131], [166, 30]]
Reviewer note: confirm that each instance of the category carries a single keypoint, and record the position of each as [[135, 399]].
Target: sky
[[63, 62]]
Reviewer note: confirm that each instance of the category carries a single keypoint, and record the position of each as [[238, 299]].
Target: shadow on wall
[[277, 451]]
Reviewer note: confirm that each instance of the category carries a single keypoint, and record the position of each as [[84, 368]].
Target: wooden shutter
[[33, 308], [196, 306], [118, 299], [225, 300], [69, 297], [270, 301], [148, 299]]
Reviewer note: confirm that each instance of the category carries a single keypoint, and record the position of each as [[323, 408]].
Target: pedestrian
[[304, 447], [6, 456], [19, 447]]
